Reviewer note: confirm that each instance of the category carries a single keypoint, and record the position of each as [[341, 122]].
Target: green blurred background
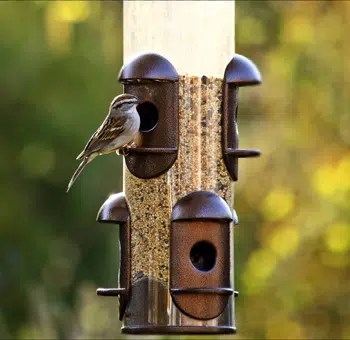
[[58, 68]]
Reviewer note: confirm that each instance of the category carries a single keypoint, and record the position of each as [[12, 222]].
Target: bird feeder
[[175, 215]]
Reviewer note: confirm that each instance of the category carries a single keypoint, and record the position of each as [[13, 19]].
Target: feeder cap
[[148, 66], [242, 72], [201, 205], [114, 210]]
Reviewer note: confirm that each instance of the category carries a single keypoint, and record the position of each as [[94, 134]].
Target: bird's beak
[[139, 102]]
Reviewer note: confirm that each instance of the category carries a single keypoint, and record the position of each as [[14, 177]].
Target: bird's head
[[124, 102]]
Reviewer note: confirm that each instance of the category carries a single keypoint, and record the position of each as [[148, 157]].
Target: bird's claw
[[125, 150]]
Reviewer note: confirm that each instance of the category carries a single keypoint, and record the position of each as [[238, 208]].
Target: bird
[[117, 131]]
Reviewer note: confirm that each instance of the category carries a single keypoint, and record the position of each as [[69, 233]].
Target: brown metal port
[[115, 210], [239, 72], [153, 79], [200, 266]]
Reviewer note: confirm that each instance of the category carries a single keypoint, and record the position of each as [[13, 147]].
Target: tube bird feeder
[[176, 214]]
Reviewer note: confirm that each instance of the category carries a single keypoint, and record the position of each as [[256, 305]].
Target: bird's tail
[[81, 167]]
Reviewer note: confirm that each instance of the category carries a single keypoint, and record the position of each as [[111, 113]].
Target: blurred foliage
[[58, 66], [292, 248], [58, 63]]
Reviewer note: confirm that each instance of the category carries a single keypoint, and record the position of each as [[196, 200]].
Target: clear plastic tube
[[199, 166]]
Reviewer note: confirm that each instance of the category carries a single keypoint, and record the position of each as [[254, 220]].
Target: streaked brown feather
[[80, 168], [103, 134]]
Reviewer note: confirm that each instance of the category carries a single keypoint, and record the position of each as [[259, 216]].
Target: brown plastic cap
[[114, 210], [242, 72], [150, 66], [201, 205]]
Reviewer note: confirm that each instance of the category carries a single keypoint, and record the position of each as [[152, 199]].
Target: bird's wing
[[110, 129]]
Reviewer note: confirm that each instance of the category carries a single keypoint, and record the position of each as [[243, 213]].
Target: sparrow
[[117, 131]]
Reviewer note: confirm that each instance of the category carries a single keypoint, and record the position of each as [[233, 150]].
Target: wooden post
[[198, 38]]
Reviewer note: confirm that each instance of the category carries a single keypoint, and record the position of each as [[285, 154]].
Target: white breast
[[132, 126]]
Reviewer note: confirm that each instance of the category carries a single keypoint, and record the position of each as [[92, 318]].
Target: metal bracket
[[111, 291]]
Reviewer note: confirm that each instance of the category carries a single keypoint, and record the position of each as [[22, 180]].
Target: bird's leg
[[124, 150]]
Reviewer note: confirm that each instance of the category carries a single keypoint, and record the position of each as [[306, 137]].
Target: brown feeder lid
[[201, 205], [151, 66], [242, 72], [114, 210]]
